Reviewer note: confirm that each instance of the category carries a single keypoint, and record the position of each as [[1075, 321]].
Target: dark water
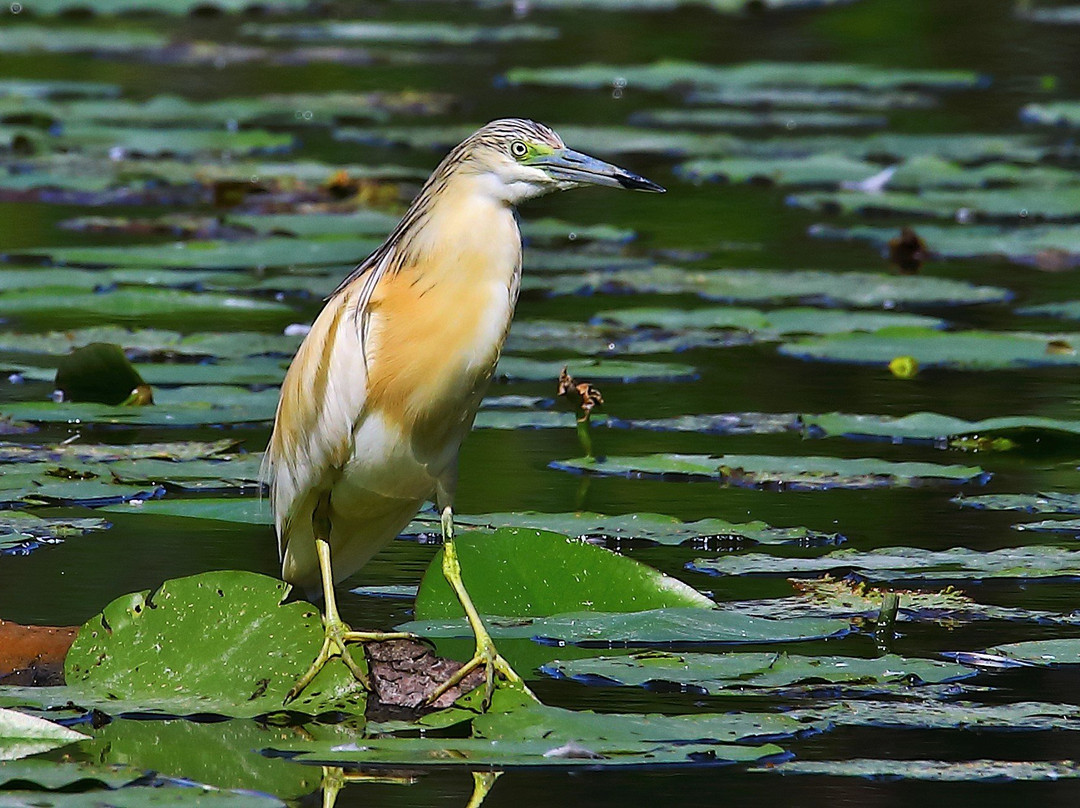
[[737, 226]]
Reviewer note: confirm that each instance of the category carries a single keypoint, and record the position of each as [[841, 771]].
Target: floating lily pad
[[657, 627], [1050, 246], [1069, 526], [734, 423], [674, 75], [811, 98], [22, 488], [961, 350], [945, 715], [154, 342], [1065, 310], [19, 529], [23, 735], [600, 339], [1052, 113], [626, 6], [270, 252], [833, 169], [49, 775], [183, 406], [519, 368], [134, 656], [798, 473], [775, 321], [180, 7], [909, 563], [40, 88], [243, 510], [648, 527], [934, 770], [930, 426], [52, 39], [1024, 203], [420, 33], [535, 573], [740, 119], [1049, 502], [745, 285], [729, 673], [131, 304], [1041, 652]]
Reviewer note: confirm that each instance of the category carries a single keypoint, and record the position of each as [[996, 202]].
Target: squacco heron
[[386, 384]]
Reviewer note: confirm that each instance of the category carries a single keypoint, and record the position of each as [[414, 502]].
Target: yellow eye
[[519, 149]]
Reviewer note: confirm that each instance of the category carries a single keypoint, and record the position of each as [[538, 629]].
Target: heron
[[387, 382]]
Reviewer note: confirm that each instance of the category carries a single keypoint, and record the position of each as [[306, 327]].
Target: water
[[736, 226]]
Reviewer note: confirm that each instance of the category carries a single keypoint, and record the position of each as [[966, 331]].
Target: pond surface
[[766, 170]]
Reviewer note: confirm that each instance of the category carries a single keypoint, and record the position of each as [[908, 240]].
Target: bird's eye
[[519, 149]]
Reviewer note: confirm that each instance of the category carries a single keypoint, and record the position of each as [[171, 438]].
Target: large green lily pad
[[801, 473], [519, 368], [909, 563], [790, 120], [1041, 652], [802, 320], [534, 573], [420, 33], [137, 655], [737, 672], [1047, 502], [1017, 204], [949, 715], [19, 529]]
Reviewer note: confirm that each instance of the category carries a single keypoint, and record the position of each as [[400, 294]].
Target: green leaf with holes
[[218, 643]]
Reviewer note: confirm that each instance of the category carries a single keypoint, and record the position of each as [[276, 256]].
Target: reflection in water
[[334, 779]]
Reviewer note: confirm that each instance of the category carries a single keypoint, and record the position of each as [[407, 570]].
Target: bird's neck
[[467, 226]]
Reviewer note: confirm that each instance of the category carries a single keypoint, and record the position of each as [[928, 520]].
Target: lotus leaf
[[929, 426], [1024, 203], [421, 33], [736, 119], [1041, 652]]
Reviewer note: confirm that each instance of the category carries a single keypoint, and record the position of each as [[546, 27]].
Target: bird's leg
[[486, 654], [337, 632]]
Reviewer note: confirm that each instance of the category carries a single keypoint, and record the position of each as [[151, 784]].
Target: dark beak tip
[[637, 183]]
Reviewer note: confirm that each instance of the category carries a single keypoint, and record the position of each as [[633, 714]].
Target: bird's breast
[[435, 336]]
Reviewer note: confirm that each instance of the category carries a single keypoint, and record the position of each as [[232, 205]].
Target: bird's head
[[520, 159]]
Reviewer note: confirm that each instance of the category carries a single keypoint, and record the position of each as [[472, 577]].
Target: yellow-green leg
[[337, 632], [486, 654]]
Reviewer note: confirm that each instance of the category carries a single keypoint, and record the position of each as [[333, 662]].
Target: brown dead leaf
[[907, 252], [582, 395], [405, 672], [33, 655]]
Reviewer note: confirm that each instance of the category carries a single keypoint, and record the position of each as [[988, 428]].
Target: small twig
[[585, 398]]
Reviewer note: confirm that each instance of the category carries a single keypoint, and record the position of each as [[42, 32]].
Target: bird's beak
[[567, 165]]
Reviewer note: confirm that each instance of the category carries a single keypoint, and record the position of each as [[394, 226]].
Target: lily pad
[[793, 473], [1021, 716], [830, 288], [1041, 652], [802, 320], [812, 98], [519, 368], [136, 655], [243, 510], [716, 674], [1049, 246], [269, 252], [418, 33], [930, 426], [1048, 502], [536, 573], [179, 407], [742, 119], [1052, 113], [19, 529], [676, 75], [909, 563], [23, 735], [1017, 204], [996, 771], [180, 7], [1064, 310], [960, 350], [42, 88], [658, 627], [49, 775], [133, 304]]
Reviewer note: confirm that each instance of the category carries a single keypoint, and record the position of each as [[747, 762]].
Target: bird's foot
[[494, 664], [337, 636]]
